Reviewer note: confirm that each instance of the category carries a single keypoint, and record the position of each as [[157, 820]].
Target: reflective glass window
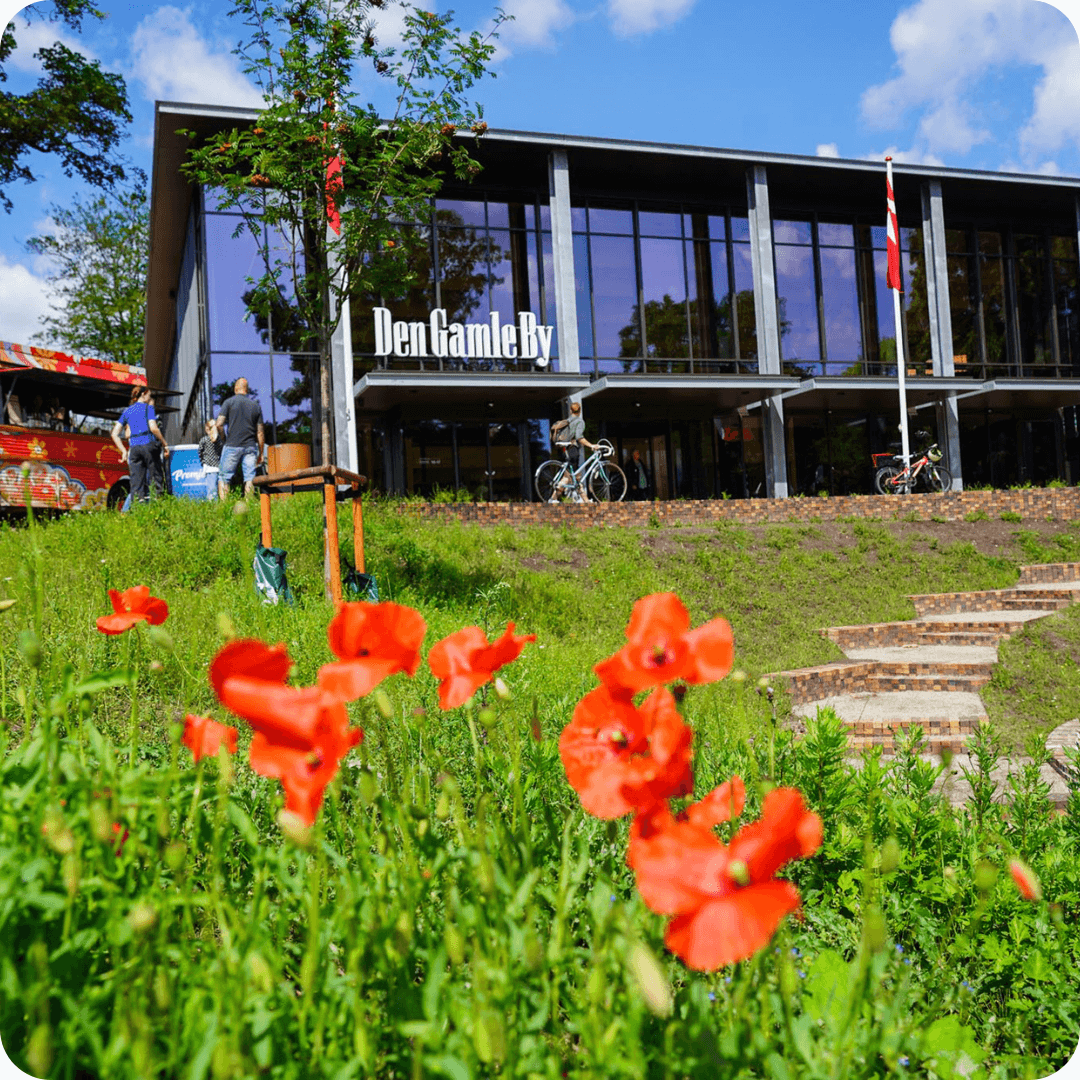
[[615, 311], [992, 284], [520, 215], [504, 461], [1033, 301], [916, 307], [958, 241], [463, 273], [292, 398], [663, 280], [840, 306], [578, 219], [797, 303], [582, 295], [723, 325], [503, 280], [963, 310], [473, 459], [212, 198], [1067, 300], [549, 295], [545, 216], [226, 368], [744, 300], [464, 211], [834, 235], [792, 232], [498, 215], [659, 223], [429, 457], [740, 228], [605, 220], [230, 262]]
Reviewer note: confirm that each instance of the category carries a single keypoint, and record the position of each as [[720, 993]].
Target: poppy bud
[[57, 835], [383, 704], [1025, 880], [39, 1050], [174, 855], [985, 875], [161, 637], [162, 991], [487, 717], [294, 829], [155, 666], [455, 944], [368, 786], [6, 605], [142, 917], [949, 873], [30, 648], [874, 931], [502, 691], [442, 807], [738, 676], [651, 980], [486, 874], [890, 855], [99, 823], [70, 871]]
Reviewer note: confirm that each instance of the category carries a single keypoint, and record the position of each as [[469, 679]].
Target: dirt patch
[[575, 560]]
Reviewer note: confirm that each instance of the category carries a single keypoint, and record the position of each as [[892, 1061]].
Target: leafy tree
[[99, 249], [76, 111], [303, 56]]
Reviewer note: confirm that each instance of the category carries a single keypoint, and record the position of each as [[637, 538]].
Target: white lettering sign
[[525, 339]]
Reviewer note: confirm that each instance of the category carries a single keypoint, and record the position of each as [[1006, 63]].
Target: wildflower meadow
[[458, 833]]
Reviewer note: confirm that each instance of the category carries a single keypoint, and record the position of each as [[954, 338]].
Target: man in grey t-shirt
[[245, 444], [569, 435]]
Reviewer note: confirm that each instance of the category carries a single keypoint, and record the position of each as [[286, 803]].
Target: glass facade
[[269, 350], [664, 289], [482, 262]]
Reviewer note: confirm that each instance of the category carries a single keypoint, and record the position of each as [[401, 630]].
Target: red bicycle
[[923, 473]]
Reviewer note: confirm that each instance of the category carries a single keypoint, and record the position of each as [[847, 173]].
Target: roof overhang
[[452, 395], [640, 396]]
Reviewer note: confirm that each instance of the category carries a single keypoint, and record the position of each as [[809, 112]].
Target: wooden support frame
[[336, 484]]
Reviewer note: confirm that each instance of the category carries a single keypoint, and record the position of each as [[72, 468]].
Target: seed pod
[[650, 979]]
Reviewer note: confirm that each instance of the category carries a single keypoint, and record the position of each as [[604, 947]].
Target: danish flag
[[892, 234]]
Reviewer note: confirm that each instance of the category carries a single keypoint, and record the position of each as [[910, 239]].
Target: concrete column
[[941, 339], [345, 452], [767, 323], [562, 246]]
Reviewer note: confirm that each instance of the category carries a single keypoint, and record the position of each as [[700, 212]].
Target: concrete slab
[[928, 654], [1074, 586], [1064, 735], [900, 705], [1018, 615]]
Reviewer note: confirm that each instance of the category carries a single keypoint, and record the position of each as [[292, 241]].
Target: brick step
[[887, 684], [917, 632], [1033, 575], [939, 734], [932, 744], [992, 600]]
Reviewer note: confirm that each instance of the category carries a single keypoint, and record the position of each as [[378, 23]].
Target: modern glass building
[[723, 313]]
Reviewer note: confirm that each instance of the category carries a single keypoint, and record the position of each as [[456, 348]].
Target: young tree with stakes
[[332, 180]]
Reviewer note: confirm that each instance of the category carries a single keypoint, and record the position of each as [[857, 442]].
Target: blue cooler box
[[187, 472]]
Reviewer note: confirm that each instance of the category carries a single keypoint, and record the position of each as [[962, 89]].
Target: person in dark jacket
[[637, 477], [245, 444]]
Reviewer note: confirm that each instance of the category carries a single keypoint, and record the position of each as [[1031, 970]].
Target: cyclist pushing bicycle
[[569, 436]]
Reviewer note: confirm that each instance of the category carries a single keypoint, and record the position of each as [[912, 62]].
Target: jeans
[[233, 456], [144, 467], [212, 474]]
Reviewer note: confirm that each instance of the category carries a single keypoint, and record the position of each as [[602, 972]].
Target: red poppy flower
[[725, 901], [132, 606], [464, 661], [371, 642], [203, 736], [1025, 879], [301, 733], [619, 758], [661, 647]]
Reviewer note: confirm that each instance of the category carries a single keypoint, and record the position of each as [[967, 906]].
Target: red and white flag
[[892, 234], [333, 189]]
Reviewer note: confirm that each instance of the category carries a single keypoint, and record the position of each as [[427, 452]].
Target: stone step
[[854, 677], [993, 600], [1030, 575], [882, 683], [920, 632]]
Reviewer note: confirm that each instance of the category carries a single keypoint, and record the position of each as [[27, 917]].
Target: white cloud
[[24, 298], [534, 23], [389, 23], [643, 16], [827, 149], [913, 156], [946, 48], [174, 63]]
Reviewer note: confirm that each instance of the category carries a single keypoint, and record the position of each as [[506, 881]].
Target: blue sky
[[985, 84]]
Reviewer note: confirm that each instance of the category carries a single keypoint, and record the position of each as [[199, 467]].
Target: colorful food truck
[[57, 412]]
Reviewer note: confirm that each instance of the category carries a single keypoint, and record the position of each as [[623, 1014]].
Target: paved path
[[928, 672]]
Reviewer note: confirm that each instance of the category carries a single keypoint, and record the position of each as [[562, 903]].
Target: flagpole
[[901, 362]]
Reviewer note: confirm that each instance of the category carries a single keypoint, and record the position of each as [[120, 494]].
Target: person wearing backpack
[[143, 454]]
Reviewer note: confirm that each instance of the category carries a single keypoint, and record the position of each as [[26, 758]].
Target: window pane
[[797, 304], [840, 299], [615, 297], [791, 232], [611, 221], [463, 269], [225, 369], [744, 300], [916, 309], [740, 228], [1033, 301], [521, 215], [548, 317], [1068, 313], [229, 263], [958, 240], [723, 325], [962, 308], [292, 398], [664, 288], [577, 219], [498, 215], [429, 457], [990, 243], [505, 457], [212, 197], [460, 211], [545, 216], [582, 296], [1063, 247], [659, 223], [502, 277], [836, 235], [991, 272]]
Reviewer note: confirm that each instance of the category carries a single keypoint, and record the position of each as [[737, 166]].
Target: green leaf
[[827, 985]]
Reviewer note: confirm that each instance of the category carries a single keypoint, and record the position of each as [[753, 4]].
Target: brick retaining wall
[[1030, 503]]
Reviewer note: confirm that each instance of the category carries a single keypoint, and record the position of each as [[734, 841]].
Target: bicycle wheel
[[546, 476], [607, 483], [884, 480], [938, 478]]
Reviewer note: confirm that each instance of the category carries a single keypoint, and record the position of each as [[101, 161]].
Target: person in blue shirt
[[144, 457]]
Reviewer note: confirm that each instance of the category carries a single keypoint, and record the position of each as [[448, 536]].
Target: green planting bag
[[270, 580], [357, 586]]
